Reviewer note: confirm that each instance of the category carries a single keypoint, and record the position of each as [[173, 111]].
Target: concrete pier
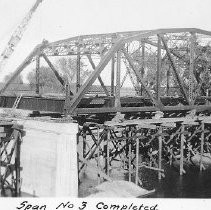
[[49, 159]]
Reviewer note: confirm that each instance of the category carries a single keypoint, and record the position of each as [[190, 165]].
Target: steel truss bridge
[[186, 52], [179, 60]]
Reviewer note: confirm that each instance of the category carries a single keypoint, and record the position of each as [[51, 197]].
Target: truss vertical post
[[202, 147], [138, 75], [118, 74], [191, 68], [84, 142], [167, 80], [158, 67], [160, 153], [37, 74], [182, 149], [78, 68], [17, 164], [112, 75], [143, 62], [171, 156]]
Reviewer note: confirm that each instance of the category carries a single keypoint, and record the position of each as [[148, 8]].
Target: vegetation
[[202, 69], [67, 69], [18, 79]]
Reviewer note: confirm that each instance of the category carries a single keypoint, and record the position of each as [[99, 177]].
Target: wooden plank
[[142, 109], [145, 125], [112, 75], [202, 148], [190, 122], [38, 74], [137, 161], [182, 150], [169, 124], [152, 168], [118, 75]]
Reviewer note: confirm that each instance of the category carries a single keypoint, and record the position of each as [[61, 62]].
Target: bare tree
[[67, 69], [17, 80]]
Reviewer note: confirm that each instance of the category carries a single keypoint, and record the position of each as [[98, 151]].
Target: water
[[193, 184]]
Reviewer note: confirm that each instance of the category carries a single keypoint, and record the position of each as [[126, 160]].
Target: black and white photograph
[[105, 99]]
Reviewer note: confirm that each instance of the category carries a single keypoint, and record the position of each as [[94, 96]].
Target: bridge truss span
[[168, 69]]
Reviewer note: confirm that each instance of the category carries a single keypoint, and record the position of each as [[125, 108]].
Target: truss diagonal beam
[[174, 69], [99, 77], [138, 75], [175, 53], [53, 69]]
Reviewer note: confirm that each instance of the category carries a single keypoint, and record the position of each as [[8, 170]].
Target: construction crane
[[16, 36]]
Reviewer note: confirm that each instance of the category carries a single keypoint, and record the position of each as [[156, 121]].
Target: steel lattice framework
[[186, 52]]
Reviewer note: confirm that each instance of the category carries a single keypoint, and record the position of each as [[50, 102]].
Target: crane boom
[[17, 35]]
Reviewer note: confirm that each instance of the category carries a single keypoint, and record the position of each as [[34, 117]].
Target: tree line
[[68, 68]]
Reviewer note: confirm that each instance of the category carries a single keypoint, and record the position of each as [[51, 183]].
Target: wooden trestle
[[144, 143], [10, 143]]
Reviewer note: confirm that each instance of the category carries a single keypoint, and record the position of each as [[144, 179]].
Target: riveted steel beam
[[78, 69], [118, 75], [191, 67], [112, 75], [158, 68]]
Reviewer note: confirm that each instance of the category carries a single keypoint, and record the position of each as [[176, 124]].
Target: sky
[[59, 19]]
